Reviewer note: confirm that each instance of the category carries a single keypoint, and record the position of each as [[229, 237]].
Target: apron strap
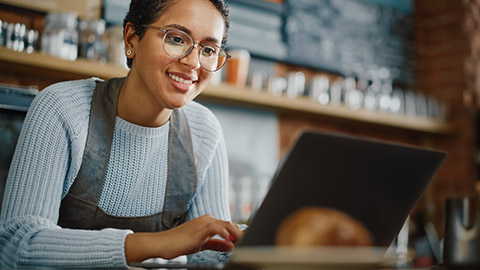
[[182, 174], [99, 141]]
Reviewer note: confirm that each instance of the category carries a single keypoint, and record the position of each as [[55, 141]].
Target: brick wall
[[442, 48]]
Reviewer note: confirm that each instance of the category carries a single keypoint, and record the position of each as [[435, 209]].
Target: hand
[[196, 235], [187, 238]]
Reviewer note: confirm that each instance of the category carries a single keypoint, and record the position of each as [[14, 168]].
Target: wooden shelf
[[228, 93], [42, 63], [81, 68]]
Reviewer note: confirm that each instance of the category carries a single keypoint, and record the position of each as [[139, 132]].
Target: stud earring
[[129, 52]]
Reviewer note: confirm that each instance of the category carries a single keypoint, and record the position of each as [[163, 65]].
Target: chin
[[179, 103]]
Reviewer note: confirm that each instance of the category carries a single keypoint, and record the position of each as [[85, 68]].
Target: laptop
[[376, 182]]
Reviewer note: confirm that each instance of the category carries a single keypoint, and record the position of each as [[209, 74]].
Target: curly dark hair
[[144, 12]]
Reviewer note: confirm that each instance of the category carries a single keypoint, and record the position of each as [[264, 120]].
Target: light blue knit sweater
[[46, 162]]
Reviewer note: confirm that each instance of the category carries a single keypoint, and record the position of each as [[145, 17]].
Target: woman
[[108, 173]]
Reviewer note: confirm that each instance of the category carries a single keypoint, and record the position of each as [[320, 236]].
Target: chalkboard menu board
[[258, 27], [347, 36]]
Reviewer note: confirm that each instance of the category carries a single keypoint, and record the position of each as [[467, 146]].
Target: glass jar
[[18, 37], [116, 46], [60, 36], [91, 40]]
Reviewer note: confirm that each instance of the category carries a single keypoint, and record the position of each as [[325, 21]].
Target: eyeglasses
[[178, 44]]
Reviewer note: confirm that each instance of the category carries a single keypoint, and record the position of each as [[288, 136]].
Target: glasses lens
[[212, 58], [177, 44]]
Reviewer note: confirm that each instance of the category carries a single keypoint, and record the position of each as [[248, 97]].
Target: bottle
[[319, 89], [47, 33], [295, 84], [397, 105], [372, 96], [91, 45], [385, 98], [353, 96], [60, 36], [116, 47], [68, 36], [18, 37], [31, 40], [3, 33]]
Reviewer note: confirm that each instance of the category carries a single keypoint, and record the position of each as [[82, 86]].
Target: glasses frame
[[165, 31]]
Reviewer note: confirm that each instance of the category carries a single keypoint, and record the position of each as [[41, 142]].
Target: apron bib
[[79, 209]]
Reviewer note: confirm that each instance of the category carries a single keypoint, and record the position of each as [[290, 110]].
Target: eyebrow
[[186, 30]]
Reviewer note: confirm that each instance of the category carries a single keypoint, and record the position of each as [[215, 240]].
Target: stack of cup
[[237, 67]]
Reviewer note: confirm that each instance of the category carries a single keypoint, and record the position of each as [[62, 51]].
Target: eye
[[175, 39], [209, 51]]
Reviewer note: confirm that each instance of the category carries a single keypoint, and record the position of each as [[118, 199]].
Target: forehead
[[201, 17]]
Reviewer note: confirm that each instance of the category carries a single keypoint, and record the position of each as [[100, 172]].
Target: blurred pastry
[[320, 226]]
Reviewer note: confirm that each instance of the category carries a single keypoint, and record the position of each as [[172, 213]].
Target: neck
[[139, 109]]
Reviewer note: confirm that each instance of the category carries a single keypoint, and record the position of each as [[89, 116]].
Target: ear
[[130, 39]]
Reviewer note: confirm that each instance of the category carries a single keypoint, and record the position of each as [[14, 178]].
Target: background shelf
[[38, 63]]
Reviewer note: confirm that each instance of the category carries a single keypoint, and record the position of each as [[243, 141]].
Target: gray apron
[[79, 209]]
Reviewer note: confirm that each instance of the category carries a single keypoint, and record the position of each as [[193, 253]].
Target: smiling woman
[[111, 172], [157, 80]]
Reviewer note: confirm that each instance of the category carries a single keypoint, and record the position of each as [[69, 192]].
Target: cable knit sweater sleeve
[[212, 195], [29, 234]]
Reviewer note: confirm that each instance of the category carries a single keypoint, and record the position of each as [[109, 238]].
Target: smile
[[180, 80]]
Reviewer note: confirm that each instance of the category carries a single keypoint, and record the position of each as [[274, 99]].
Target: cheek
[[203, 82], [206, 76], [154, 57]]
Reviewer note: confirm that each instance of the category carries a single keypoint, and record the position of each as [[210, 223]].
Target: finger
[[219, 245], [234, 231], [224, 233], [228, 231], [225, 229]]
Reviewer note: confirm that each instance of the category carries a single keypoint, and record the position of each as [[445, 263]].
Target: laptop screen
[[376, 182]]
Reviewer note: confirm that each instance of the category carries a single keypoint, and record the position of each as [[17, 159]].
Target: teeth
[[180, 80]]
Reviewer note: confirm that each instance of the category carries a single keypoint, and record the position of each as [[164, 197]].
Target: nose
[[193, 58]]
